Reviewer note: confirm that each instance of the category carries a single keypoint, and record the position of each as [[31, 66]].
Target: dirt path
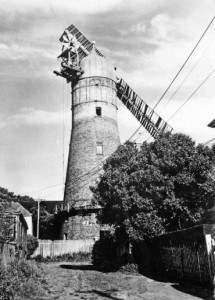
[[75, 281]]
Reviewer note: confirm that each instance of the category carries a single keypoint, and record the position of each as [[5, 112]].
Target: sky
[[148, 41]]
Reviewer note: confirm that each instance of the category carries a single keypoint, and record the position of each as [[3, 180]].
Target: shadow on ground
[[197, 291], [202, 291], [111, 294], [78, 267]]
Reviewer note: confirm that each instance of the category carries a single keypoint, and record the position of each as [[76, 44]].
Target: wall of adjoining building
[[81, 227], [15, 246]]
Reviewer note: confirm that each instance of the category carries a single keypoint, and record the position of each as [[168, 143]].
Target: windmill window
[[98, 111], [99, 148]]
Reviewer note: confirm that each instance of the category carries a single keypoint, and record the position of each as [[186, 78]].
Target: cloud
[[32, 117], [161, 27], [56, 7], [147, 40]]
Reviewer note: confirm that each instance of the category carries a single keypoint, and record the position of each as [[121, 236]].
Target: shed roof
[[16, 207]]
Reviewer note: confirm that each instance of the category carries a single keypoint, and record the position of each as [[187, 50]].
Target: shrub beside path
[[78, 281]]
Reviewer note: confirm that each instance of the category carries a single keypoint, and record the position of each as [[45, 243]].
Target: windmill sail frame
[[85, 45], [151, 121]]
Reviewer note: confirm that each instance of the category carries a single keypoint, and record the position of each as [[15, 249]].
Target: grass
[[20, 279]]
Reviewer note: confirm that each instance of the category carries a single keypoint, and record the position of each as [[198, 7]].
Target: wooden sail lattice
[[151, 121], [85, 45]]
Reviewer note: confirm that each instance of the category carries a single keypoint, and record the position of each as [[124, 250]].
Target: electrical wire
[[46, 188], [181, 68], [188, 75], [135, 132], [162, 96], [177, 74], [193, 93], [63, 129]]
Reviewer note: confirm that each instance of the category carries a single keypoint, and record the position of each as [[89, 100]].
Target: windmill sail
[[152, 122], [85, 46]]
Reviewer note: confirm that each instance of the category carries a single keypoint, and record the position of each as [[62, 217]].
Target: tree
[[32, 244], [48, 223], [6, 224], [164, 186], [49, 226]]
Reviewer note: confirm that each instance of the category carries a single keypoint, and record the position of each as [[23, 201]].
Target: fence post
[[198, 260], [182, 262], [52, 249], [41, 248], [211, 262]]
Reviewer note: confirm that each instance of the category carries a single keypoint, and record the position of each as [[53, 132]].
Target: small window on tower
[[98, 111], [99, 148]]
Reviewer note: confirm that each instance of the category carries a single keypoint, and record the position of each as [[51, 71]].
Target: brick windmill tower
[[94, 135]]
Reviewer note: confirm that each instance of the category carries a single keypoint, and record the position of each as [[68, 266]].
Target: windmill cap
[[96, 65]]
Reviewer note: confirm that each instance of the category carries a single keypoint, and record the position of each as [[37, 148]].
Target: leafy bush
[[129, 269], [20, 279], [104, 255], [165, 186], [73, 257], [32, 244]]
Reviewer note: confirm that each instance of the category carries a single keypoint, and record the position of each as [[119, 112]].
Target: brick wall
[[88, 129], [81, 227]]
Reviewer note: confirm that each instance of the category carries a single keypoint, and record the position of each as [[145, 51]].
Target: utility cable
[[63, 128], [165, 94], [45, 188], [135, 132], [162, 94], [171, 83], [193, 93], [184, 80], [177, 74]]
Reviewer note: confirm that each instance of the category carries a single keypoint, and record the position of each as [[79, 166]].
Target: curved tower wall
[[94, 136], [89, 133]]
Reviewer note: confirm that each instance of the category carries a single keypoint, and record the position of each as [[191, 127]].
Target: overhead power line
[[46, 188], [135, 132], [179, 71], [186, 77], [193, 93], [177, 74]]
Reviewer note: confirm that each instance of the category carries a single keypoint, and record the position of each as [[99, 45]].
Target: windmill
[[95, 89], [75, 46]]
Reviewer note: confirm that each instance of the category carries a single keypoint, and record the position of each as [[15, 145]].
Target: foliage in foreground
[[20, 279], [164, 186], [72, 257], [6, 223], [105, 254], [32, 244]]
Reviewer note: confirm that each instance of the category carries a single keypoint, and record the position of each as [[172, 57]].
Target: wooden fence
[[185, 255], [60, 247], [7, 252]]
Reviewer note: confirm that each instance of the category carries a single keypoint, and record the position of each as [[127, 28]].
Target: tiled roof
[[16, 207]]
